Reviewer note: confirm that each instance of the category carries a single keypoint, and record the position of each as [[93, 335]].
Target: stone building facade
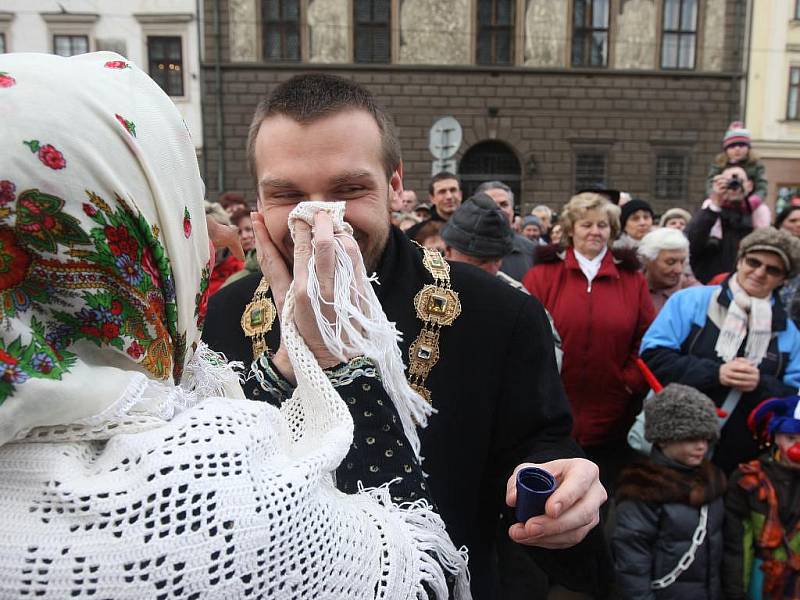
[[641, 106]]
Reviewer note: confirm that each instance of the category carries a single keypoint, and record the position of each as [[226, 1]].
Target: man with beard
[[469, 337]]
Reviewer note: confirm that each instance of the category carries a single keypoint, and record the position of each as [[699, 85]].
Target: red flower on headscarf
[[14, 260], [116, 64], [120, 241], [149, 267], [128, 125], [135, 350], [6, 80], [48, 154], [6, 358], [187, 223], [7, 192]]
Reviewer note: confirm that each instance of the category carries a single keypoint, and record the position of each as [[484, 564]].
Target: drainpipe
[[752, 16], [218, 94], [200, 43]]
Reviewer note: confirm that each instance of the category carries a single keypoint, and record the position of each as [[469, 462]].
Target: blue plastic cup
[[534, 487]]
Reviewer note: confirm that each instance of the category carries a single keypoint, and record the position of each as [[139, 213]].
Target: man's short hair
[[495, 185], [441, 177], [306, 98]]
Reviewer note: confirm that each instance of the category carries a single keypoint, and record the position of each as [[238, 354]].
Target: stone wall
[[541, 116], [328, 34], [636, 39]]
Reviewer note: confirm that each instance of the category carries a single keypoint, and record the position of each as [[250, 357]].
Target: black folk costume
[[496, 388]]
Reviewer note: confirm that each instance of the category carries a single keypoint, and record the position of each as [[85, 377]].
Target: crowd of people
[[399, 361]]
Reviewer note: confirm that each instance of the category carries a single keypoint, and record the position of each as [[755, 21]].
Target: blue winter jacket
[[679, 347]]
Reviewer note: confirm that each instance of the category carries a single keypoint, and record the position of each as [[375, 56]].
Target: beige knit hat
[[777, 241]]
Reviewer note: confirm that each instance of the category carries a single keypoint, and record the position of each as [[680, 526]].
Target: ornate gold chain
[[258, 317], [437, 306]]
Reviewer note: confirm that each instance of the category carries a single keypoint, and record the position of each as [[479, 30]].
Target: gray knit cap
[[678, 413], [777, 241], [478, 228], [533, 220]]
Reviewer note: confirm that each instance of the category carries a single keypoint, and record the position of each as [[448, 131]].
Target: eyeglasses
[[756, 264]]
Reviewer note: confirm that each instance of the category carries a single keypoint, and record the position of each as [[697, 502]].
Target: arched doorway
[[490, 160]]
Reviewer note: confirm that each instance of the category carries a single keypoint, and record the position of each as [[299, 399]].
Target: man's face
[[737, 193], [531, 231], [666, 270], [503, 201], [321, 161], [544, 217], [446, 197], [409, 198]]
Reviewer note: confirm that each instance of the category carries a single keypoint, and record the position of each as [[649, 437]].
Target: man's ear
[[396, 180]]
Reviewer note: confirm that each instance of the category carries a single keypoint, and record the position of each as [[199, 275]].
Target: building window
[[371, 31], [495, 44], [793, 109], [670, 183], [797, 9], [679, 34], [590, 171], [165, 63], [590, 33], [70, 45], [281, 29], [2, 43], [487, 161]]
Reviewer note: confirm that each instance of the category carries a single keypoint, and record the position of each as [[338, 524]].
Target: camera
[[734, 183]]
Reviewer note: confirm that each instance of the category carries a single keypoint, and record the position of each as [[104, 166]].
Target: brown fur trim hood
[[653, 483], [624, 258]]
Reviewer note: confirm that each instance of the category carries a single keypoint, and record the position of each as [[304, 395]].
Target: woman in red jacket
[[601, 307]]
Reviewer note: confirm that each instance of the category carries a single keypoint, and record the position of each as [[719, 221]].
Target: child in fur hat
[[762, 519], [668, 538]]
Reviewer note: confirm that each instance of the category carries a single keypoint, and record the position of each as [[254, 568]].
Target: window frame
[[181, 43], [589, 151], [796, 10], [589, 31], [72, 37], [796, 86], [683, 190], [513, 33], [72, 25], [302, 34], [679, 33], [372, 25], [4, 48]]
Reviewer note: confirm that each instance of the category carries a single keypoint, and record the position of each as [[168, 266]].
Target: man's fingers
[[325, 253], [576, 478], [271, 262]]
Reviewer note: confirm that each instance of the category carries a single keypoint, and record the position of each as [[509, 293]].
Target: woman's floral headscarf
[[104, 253]]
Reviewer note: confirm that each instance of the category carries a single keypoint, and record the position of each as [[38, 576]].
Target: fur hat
[[478, 228], [737, 133], [777, 241], [679, 412], [631, 207], [675, 213]]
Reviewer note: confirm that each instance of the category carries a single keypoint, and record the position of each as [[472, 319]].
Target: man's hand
[[719, 186], [570, 513], [739, 374], [277, 273]]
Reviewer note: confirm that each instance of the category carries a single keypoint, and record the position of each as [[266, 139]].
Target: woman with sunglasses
[[733, 341]]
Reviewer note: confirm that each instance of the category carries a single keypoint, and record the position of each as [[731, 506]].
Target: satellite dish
[[445, 138]]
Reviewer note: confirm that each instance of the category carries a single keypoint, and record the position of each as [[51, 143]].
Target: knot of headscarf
[[104, 254]]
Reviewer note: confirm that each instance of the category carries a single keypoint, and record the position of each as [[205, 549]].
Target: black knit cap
[[631, 207], [478, 228]]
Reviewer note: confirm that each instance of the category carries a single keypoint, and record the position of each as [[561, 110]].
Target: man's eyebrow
[[349, 177], [276, 183]]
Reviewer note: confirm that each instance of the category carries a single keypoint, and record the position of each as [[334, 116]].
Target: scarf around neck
[[746, 317], [104, 253]]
